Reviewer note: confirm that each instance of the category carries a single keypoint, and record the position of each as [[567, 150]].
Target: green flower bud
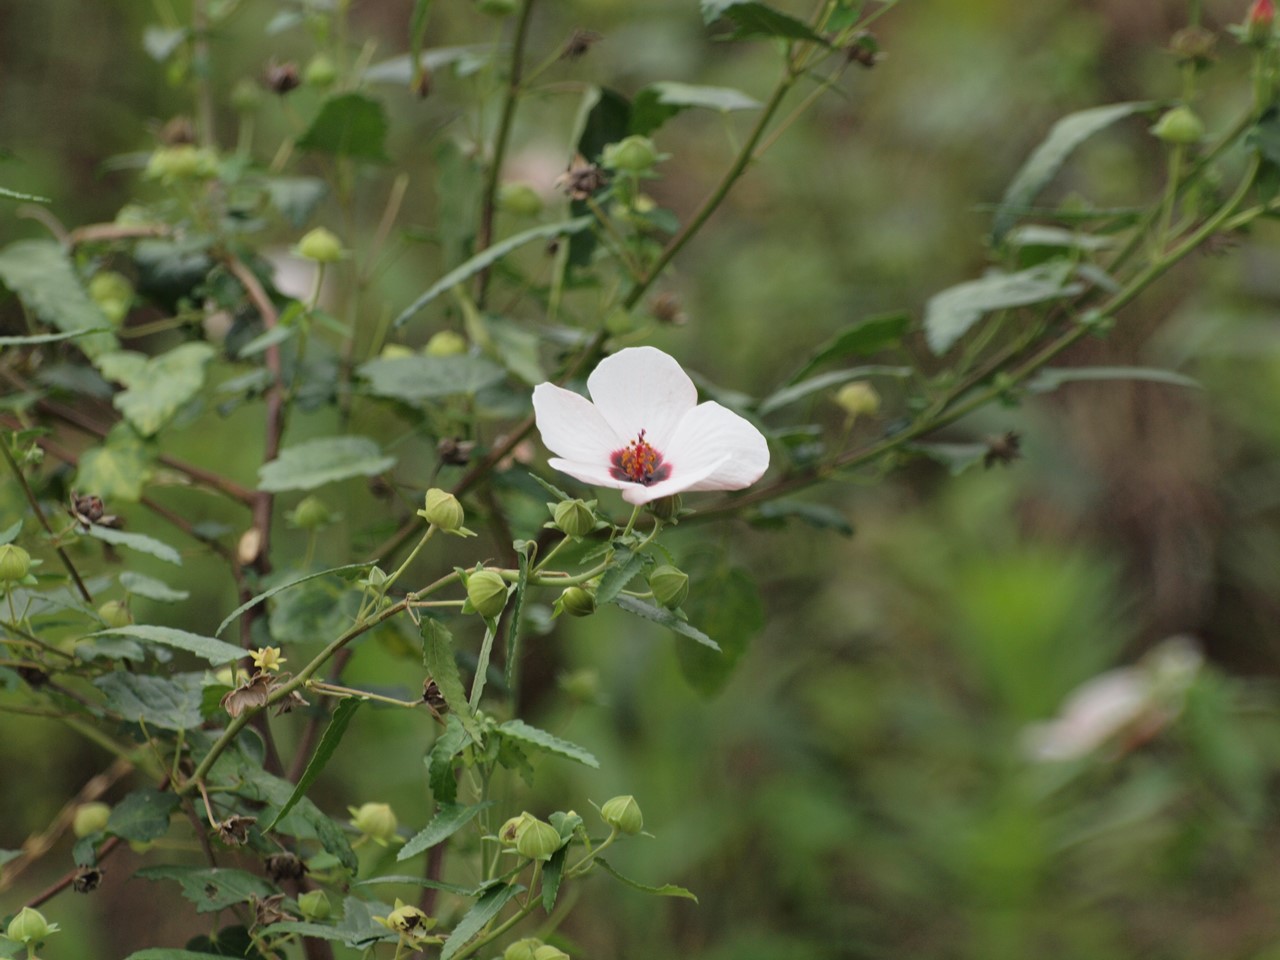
[[578, 602], [376, 821], [522, 949], [1179, 125], [314, 905], [574, 517], [394, 351], [634, 154], [496, 8], [320, 245], [446, 343], [537, 839], [115, 614], [670, 585], [548, 952], [582, 685], [15, 563], [508, 831], [520, 199], [858, 398], [90, 818], [246, 95], [113, 293], [321, 72], [311, 513], [181, 162], [666, 508], [487, 592], [29, 926], [624, 814], [443, 509]]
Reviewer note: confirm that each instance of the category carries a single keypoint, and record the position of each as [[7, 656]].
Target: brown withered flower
[[252, 693], [87, 509], [579, 44], [87, 880], [291, 702], [1003, 449], [234, 831], [284, 866], [281, 77], [454, 452], [268, 911], [582, 179], [434, 699], [666, 308], [422, 84]]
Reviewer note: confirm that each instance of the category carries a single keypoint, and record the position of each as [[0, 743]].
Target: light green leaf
[[825, 381], [659, 102], [1045, 161], [419, 377], [212, 889], [666, 890], [215, 651], [477, 918], [1036, 235], [119, 469], [1051, 378], [333, 735], [140, 585], [950, 314], [142, 815], [449, 819], [158, 387], [523, 549], [41, 275], [486, 258], [161, 42], [665, 617], [268, 594], [481, 676], [349, 125], [437, 657], [531, 736], [400, 70], [314, 463], [136, 541], [10, 533]]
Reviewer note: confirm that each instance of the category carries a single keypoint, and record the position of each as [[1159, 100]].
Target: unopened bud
[[314, 905], [320, 245], [29, 926], [15, 563], [1179, 125], [635, 154], [537, 839], [522, 949], [548, 952], [487, 592], [246, 96], [670, 585], [311, 513], [446, 343], [394, 351], [113, 293], [666, 508], [115, 614], [858, 398], [574, 518], [90, 818], [282, 77], [520, 199], [375, 820], [443, 509], [1259, 21], [508, 832], [321, 72], [578, 602], [624, 814], [181, 162]]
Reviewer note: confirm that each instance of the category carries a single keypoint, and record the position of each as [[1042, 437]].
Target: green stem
[[44, 521]]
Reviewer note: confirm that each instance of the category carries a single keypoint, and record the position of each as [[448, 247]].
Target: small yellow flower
[[267, 659]]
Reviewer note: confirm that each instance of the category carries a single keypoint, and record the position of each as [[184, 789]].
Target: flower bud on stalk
[[537, 839], [90, 818], [522, 949], [376, 821], [443, 509], [445, 343], [574, 518], [311, 513], [1180, 126], [670, 585], [115, 614], [1259, 22], [635, 154], [624, 814], [487, 592], [314, 905], [548, 952], [29, 926], [578, 602], [320, 245], [858, 398], [15, 563]]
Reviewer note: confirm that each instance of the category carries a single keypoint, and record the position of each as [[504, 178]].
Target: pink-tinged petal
[[678, 482], [641, 388], [595, 475], [724, 450], [572, 427]]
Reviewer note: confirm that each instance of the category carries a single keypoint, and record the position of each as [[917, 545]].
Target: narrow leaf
[[665, 617], [215, 651], [141, 585], [267, 594], [486, 258], [27, 197], [449, 819], [825, 381], [440, 760], [524, 733], [860, 339], [666, 890], [477, 918], [333, 735], [136, 541], [1051, 378], [49, 337], [951, 313], [437, 657], [818, 515], [482, 664], [552, 874], [522, 548]]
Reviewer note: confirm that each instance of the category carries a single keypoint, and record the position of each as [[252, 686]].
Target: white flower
[[645, 433]]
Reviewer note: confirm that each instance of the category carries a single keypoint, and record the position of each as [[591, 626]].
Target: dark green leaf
[[136, 541], [171, 703], [419, 377], [552, 874], [438, 658], [626, 566], [608, 121], [666, 618], [42, 276], [1051, 378], [1265, 136], [267, 594], [440, 760], [825, 381], [531, 736], [314, 463], [449, 819], [950, 314], [215, 651], [659, 102], [751, 19], [487, 258], [486, 908], [522, 548], [349, 125], [142, 815], [214, 888], [1045, 161], [727, 603], [859, 339], [333, 735], [819, 515], [666, 890], [140, 585]]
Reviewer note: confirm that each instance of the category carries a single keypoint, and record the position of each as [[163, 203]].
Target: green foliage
[[314, 463], [951, 313], [40, 273], [333, 735], [211, 889], [349, 125], [214, 651]]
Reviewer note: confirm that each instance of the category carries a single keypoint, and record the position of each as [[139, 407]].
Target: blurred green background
[[862, 786]]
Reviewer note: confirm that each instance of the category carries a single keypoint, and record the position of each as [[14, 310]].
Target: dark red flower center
[[639, 463]]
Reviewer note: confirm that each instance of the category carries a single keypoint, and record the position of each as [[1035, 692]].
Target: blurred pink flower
[[643, 431]]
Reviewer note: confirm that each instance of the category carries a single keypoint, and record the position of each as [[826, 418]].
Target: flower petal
[[597, 475], [572, 427], [642, 388], [679, 481], [723, 450]]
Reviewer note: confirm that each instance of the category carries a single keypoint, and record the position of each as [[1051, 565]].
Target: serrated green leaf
[[420, 882], [531, 736], [825, 381], [170, 703], [449, 819], [950, 314], [486, 258], [727, 603], [659, 102], [552, 874], [860, 339], [314, 463], [215, 651], [1051, 378], [666, 890], [142, 815], [41, 274], [268, 594], [438, 658], [417, 378], [477, 918], [752, 19], [213, 888], [136, 541], [1045, 161], [333, 735], [119, 469], [624, 570], [439, 760], [158, 387], [349, 125], [666, 618], [140, 585], [401, 70]]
